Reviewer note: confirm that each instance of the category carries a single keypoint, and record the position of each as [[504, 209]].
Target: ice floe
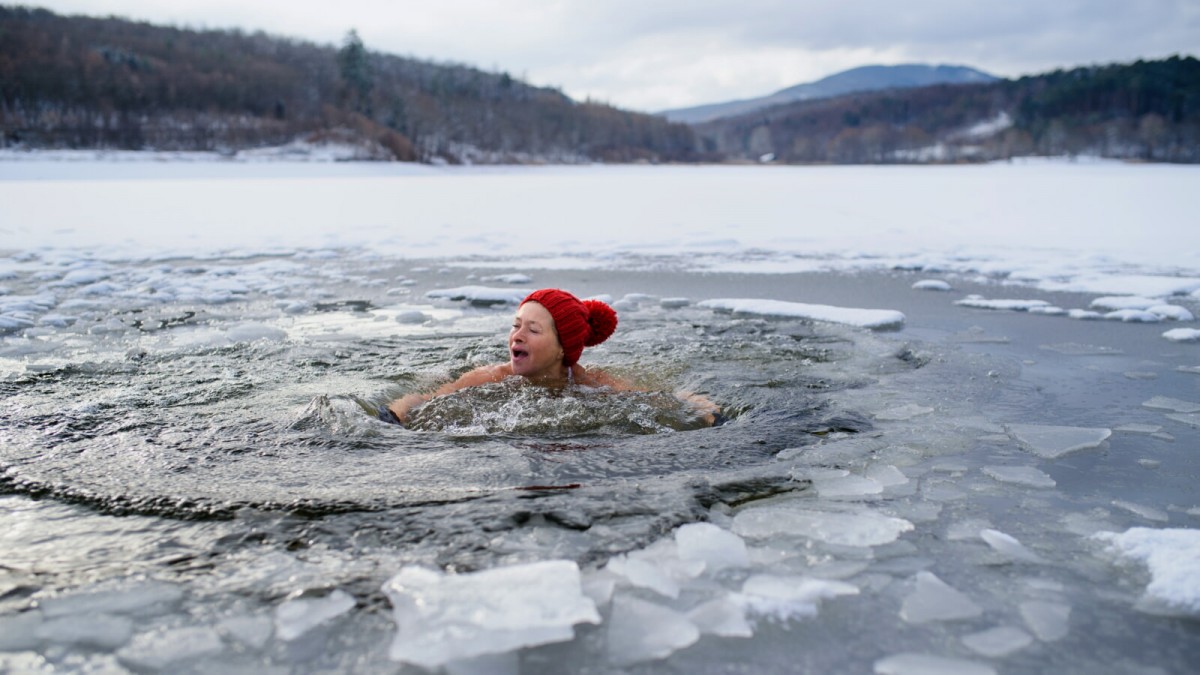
[[998, 642], [643, 631], [979, 302], [480, 295], [1052, 442], [844, 528], [932, 285], [934, 600], [448, 617], [929, 664], [1183, 335], [877, 319], [1008, 546], [1049, 621], [1172, 404], [296, 617], [1020, 475], [789, 597]]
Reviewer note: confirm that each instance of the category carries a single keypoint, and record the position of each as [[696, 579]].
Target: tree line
[[85, 82], [1147, 110], [82, 82]]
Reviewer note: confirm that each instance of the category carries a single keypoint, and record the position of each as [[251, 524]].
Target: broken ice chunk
[[886, 475], [644, 574], [851, 528], [1183, 335], [931, 285], [789, 597], [934, 600], [1052, 442], [449, 617], [1049, 621], [715, 547], [1139, 428], [1172, 404], [1147, 512], [252, 631], [903, 412], [102, 631], [847, 487], [1190, 419], [643, 631], [927, 664], [998, 642], [1020, 475], [141, 599], [156, 650], [1172, 557], [1007, 545], [296, 617], [721, 616]]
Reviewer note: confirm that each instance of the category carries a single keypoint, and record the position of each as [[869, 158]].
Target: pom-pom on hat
[[580, 323]]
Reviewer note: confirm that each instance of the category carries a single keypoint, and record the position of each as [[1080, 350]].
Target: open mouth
[[519, 354]]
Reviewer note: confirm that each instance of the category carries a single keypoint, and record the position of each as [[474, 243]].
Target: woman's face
[[533, 346]]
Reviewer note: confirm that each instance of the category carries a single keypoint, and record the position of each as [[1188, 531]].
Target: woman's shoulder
[[485, 374], [597, 377]]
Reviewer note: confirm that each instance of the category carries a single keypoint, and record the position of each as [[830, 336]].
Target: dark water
[[242, 473]]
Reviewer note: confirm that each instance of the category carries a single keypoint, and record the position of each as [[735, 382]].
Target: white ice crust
[[1172, 556]]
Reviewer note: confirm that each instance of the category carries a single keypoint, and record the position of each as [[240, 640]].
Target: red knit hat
[[580, 323]]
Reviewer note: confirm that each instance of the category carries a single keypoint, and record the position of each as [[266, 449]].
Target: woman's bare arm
[[402, 406]]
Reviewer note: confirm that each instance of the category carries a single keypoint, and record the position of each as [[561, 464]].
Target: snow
[[879, 319], [480, 295], [448, 617], [979, 302], [1171, 556], [1070, 232], [1183, 335], [932, 285]]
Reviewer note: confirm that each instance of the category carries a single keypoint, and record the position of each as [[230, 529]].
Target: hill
[[1148, 110], [82, 82], [865, 78]]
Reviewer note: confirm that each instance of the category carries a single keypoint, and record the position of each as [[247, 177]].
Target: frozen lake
[[964, 410]]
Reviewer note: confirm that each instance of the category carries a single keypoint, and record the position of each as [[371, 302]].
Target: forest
[[81, 82], [108, 83], [1145, 111]]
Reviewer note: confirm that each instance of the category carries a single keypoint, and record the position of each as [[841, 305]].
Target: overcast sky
[[657, 54]]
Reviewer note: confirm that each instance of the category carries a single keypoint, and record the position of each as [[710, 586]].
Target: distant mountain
[[866, 78], [1143, 111]]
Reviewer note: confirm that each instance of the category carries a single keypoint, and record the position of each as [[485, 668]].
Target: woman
[[548, 335]]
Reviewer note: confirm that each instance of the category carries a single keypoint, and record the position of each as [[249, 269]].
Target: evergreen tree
[[356, 71]]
